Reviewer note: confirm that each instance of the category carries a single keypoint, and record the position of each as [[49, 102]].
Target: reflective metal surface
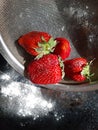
[[76, 20]]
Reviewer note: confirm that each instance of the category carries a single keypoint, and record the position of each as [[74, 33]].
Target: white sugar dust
[[24, 99], [5, 76]]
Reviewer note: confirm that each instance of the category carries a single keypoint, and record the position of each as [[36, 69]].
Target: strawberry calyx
[[87, 71], [62, 66], [45, 47]]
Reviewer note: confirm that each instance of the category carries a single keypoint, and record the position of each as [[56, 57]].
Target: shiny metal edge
[[72, 88], [5, 52]]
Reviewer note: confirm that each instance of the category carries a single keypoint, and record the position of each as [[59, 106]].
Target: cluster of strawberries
[[50, 65]]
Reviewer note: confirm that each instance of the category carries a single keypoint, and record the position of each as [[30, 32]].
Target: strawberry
[[62, 48], [77, 69], [78, 77], [75, 65], [46, 70], [33, 40]]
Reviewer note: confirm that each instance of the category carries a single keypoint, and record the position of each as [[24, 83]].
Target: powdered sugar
[[76, 12], [24, 99], [5, 76]]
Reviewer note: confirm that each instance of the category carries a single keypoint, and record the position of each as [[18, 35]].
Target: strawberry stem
[[87, 71], [45, 47], [62, 66]]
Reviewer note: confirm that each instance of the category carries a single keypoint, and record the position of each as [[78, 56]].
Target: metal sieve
[[77, 20]]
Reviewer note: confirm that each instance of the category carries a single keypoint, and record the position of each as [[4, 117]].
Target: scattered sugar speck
[[63, 27], [21, 15], [86, 7], [5, 76]]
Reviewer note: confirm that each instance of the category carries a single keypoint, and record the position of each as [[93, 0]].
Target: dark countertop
[[23, 106]]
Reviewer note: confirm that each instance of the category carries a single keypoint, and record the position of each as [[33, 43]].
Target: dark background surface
[[73, 111], [77, 115]]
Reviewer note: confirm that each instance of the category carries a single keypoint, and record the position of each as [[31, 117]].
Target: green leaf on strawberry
[[45, 47], [87, 71], [62, 66]]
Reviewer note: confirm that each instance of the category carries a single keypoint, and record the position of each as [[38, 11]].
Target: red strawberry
[[75, 65], [62, 48], [78, 77], [77, 69], [45, 70], [31, 40]]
